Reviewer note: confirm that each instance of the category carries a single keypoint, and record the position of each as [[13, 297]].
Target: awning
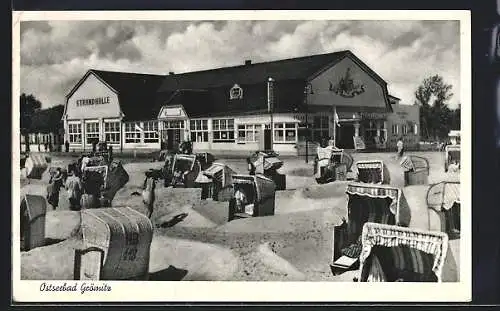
[[378, 192]]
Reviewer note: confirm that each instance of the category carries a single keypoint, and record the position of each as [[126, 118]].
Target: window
[[151, 132], [199, 130], [285, 132], [132, 132], [91, 132], [174, 124], [112, 132], [320, 128], [75, 133], [223, 130], [248, 133], [415, 129], [395, 129], [404, 129]]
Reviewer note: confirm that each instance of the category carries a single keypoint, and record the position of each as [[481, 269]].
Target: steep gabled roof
[[300, 68], [136, 92]]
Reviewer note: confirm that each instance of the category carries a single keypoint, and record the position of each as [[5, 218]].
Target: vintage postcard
[[238, 156]]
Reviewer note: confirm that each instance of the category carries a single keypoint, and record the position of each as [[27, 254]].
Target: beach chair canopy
[[125, 235], [415, 163], [373, 171], [265, 161], [335, 156], [392, 253], [184, 162], [453, 152], [206, 159], [443, 195], [220, 173], [375, 203], [257, 187]]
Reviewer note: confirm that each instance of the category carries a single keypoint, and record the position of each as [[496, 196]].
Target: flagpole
[[335, 118]]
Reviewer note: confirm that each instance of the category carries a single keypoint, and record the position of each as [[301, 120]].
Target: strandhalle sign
[[92, 101]]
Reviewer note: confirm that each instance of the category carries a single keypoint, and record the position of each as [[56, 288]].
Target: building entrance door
[[173, 139], [345, 134]]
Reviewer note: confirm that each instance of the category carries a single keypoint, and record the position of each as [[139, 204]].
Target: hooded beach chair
[[397, 254], [253, 196], [373, 172], [331, 164], [416, 170], [219, 180], [267, 164], [33, 211], [366, 203], [125, 236], [451, 156], [444, 199], [185, 169]]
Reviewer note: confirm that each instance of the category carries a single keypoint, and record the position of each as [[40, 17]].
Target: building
[[404, 123], [114, 107], [45, 132], [226, 110]]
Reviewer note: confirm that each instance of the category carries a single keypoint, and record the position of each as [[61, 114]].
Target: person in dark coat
[[56, 182], [251, 166], [110, 154], [66, 146]]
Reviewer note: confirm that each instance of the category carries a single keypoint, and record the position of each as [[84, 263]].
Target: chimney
[[171, 73], [248, 62]]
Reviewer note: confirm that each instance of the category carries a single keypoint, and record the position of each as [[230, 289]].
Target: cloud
[[55, 54]]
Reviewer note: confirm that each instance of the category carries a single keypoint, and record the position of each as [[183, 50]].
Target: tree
[[28, 105], [432, 96]]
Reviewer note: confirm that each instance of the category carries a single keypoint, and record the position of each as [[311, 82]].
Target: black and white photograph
[[312, 153]]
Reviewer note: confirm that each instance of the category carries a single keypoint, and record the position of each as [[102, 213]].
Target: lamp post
[[307, 90], [270, 106]]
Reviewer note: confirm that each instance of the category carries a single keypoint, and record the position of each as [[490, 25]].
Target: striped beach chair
[[366, 203], [373, 171], [451, 156], [444, 199], [397, 254], [416, 170]]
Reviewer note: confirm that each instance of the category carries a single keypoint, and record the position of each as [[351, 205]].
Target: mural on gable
[[346, 86]]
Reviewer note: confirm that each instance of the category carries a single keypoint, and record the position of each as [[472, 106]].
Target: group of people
[[76, 181], [70, 181]]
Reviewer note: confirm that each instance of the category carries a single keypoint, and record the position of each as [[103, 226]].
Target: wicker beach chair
[[259, 192], [367, 203], [451, 155], [188, 168], [332, 164], [33, 211], [219, 183], [444, 199], [125, 236], [373, 171], [416, 170], [397, 254]]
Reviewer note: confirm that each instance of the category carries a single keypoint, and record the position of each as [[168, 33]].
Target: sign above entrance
[[374, 115], [92, 101], [174, 112]]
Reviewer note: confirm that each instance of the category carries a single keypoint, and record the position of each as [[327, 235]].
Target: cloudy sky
[[56, 54]]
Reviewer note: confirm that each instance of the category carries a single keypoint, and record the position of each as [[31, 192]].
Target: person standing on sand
[[400, 147], [55, 185], [75, 188]]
